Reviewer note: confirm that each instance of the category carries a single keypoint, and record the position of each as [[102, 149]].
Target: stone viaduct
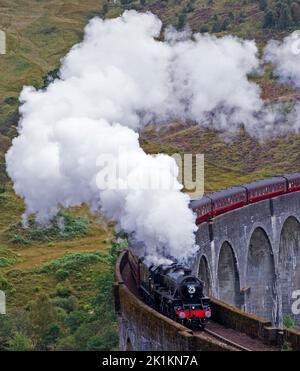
[[249, 259]]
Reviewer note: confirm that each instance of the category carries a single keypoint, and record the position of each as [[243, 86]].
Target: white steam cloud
[[285, 56], [118, 79]]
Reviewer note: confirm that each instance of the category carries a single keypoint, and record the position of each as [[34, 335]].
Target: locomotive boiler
[[172, 290]]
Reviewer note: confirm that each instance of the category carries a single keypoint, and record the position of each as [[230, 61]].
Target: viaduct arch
[[228, 276], [289, 266], [252, 257]]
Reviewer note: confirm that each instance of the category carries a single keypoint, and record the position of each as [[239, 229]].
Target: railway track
[[227, 341]]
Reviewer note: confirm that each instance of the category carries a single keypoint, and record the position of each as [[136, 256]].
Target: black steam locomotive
[[173, 291]]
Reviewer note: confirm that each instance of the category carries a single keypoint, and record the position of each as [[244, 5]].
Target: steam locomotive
[[218, 203], [173, 291]]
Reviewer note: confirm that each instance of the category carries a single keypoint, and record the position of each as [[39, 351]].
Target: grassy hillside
[[68, 291], [259, 19], [62, 277], [237, 160]]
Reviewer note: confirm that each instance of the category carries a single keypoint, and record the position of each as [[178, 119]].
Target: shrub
[[204, 28], [76, 319], [61, 314], [181, 21], [263, 4], [62, 227], [19, 240], [288, 321], [63, 292], [68, 304], [295, 8], [287, 347], [104, 342], [6, 262], [4, 284], [67, 343], [50, 338], [20, 342], [6, 330], [11, 100], [71, 262], [62, 274]]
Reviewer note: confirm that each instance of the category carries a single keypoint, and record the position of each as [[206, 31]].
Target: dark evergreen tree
[[295, 9], [269, 20], [181, 21], [263, 4], [285, 17]]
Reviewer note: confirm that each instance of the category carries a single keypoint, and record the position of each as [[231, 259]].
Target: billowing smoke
[[285, 56], [211, 80], [78, 134]]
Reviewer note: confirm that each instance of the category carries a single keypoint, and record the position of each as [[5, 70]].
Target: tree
[[269, 18], [225, 24], [20, 342], [285, 17], [204, 28], [67, 343], [76, 319], [104, 10], [217, 26], [181, 21], [263, 4], [41, 317], [126, 2], [295, 9], [6, 330], [50, 338]]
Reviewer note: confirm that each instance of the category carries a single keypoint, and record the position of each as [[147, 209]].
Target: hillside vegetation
[[58, 278]]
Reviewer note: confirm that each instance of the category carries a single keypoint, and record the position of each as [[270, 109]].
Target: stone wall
[[252, 257]]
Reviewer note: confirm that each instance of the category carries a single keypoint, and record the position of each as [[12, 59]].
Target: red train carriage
[[227, 200], [221, 202], [203, 208], [264, 189], [218, 203], [293, 182]]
